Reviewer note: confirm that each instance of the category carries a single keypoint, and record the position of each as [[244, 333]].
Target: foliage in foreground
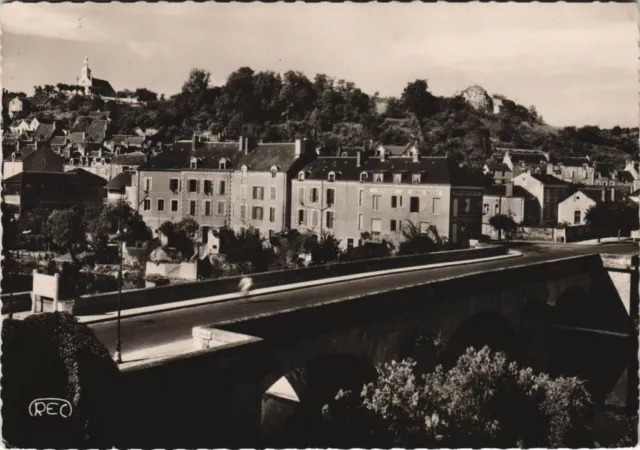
[[483, 401], [53, 355]]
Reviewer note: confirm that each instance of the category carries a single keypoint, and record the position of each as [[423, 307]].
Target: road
[[169, 326]]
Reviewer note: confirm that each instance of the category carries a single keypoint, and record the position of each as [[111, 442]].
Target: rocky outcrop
[[478, 98]]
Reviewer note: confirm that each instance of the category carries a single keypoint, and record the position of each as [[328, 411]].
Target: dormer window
[[194, 163], [13, 157], [274, 171], [222, 164], [301, 175], [415, 178], [378, 177], [363, 176], [397, 178], [345, 154], [332, 176], [43, 161]]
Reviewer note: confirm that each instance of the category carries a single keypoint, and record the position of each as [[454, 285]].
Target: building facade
[[505, 199], [572, 169], [546, 191], [35, 158], [522, 160]]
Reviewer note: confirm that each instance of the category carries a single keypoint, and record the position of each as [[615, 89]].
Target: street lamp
[[120, 238]]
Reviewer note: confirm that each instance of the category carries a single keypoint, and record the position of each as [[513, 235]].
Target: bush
[[483, 401], [52, 355]]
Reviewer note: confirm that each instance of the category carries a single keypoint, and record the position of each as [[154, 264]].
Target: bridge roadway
[[161, 328]]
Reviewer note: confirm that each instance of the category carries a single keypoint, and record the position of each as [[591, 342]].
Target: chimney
[[18, 145], [247, 144], [241, 144], [613, 194], [382, 155], [358, 158], [35, 144], [604, 195], [415, 155], [508, 189], [194, 140], [298, 147]]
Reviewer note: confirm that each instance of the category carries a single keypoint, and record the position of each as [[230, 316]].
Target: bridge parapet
[[623, 272]]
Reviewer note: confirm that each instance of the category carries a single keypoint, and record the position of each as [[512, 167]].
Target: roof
[[501, 190], [179, 155], [604, 169], [570, 160], [130, 159], [81, 124], [625, 176], [595, 194], [25, 150], [45, 130], [97, 130], [102, 115], [76, 137], [395, 150], [548, 179], [102, 87], [635, 193], [73, 177], [498, 166], [265, 156], [433, 170], [119, 182]]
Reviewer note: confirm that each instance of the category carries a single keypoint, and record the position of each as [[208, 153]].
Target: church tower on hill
[[91, 85]]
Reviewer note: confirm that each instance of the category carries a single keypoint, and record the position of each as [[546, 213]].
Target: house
[[119, 189], [499, 171], [21, 127], [261, 188], [574, 207], [37, 157], [28, 190], [190, 179], [19, 107], [92, 85], [504, 199], [121, 143], [521, 160], [377, 196], [572, 169], [633, 167], [634, 196], [546, 191]]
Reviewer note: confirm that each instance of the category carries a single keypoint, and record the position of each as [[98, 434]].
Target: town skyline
[[580, 73]]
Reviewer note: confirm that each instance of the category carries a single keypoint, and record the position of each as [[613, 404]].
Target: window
[[360, 221], [332, 176], [258, 193], [272, 233], [274, 192], [363, 176], [222, 187], [243, 191], [345, 154], [222, 164], [243, 212], [274, 171], [394, 201], [313, 195], [576, 217], [376, 203], [397, 178], [331, 197], [376, 227], [415, 178], [436, 206], [485, 209], [174, 184], [467, 205], [174, 205], [302, 217], [496, 209], [256, 213], [193, 186], [221, 208], [393, 225], [205, 234], [331, 216], [147, 204], [147, 184], [208, 187], [360, 197], [315, 218], [301, 196], [194, 163], [378, 177], [414, 205], [193, 207], [160, 204], [349, 242], [272, 214], [301, 176]]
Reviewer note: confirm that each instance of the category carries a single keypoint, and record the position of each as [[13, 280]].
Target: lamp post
[[121, 241]]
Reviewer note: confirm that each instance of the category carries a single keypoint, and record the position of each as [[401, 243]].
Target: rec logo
[[50, 407]]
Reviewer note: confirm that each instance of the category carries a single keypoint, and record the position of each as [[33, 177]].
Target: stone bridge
[[566, 317]]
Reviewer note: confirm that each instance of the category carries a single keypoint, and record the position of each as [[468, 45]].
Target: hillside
[[470, 125]]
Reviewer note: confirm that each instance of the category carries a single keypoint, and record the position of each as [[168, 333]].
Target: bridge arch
[[292, 405], [487, 328]]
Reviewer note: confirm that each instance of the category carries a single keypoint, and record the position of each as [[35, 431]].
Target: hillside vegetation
[[275, 107]]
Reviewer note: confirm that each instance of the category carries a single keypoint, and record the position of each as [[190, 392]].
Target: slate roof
[[527, 156], [178, 156], [101, 115], [97, 130], [102, 87], [81, 124], [119, 182], [498, 166], [574, 161], [73, 177], [501, 190], [25, 150], [130, 159], [604, 169], [548, 179], [264, 156], [625, 176], [45, 131]]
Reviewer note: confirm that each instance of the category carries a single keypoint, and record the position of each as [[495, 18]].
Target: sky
[[577, 63]]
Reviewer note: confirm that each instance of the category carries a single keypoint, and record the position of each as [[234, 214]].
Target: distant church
[[94, 86]]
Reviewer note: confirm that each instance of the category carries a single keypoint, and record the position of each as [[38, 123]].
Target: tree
[[67, 229], [417, 241], [607, 216], [483, 401], [181, 235], [78, 369], [145, 95], [246, 247], [503, 222], [326, 249]]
